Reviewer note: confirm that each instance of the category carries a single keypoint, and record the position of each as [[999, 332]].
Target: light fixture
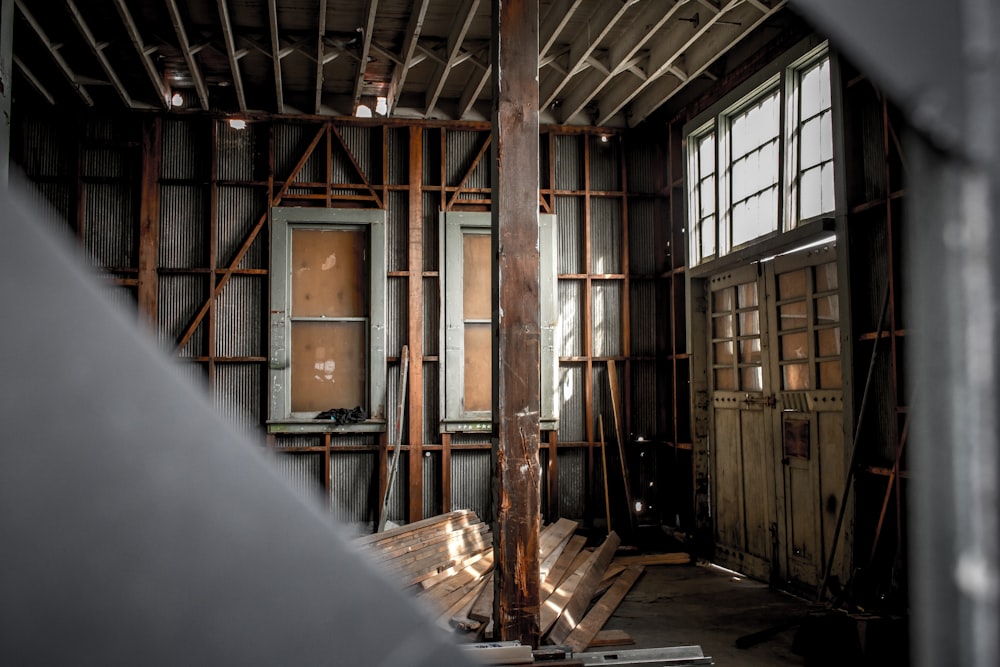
[[363, 111], [604, 138], [237, 123], [177, 100], [381, 105]]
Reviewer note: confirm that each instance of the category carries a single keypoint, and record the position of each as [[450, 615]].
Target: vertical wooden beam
[[6, 76], [149, 220], [553, 476], [213, 248], [588, 332], [446, 473], [516, 319], [415, 333], [626, 291]]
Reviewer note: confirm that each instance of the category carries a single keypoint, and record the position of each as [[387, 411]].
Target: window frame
[[696, 177], [283, 221], [454, 418]]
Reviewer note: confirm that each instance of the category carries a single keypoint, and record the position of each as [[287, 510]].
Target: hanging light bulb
[[177, 100]]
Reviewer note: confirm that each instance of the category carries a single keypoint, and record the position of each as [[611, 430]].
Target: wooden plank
[[482, 609], [595, 619], [562, 564], [620, 436], [608, 638], [515, 286], [468, 594], [148, 290], [415, 326], [448, 538], [416, 525], [446, 574], [475, 571], [654, 559], [573, 611]]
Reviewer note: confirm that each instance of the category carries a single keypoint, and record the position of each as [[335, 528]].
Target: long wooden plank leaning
[[581, 636], [593, 571]]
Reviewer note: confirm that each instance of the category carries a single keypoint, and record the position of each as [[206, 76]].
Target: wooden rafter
[[459, 28], [320, 55], [357, 167], [599, 25], [621, 55], [700, 51], [413, 28], [248, 242], [188, 52], [472, 91], [472, 168], [144, 54], [34, 80], [234, 65], [53, 49], [98, 51], [272, 21], [366, 45], [555, 21]]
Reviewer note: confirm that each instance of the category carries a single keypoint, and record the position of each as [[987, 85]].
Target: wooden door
[[742, 469], [808, 419]]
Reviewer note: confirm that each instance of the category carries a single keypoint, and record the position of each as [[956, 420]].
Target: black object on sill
[[341, 416]]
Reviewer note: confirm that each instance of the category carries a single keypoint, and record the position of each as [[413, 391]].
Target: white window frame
[[454, 418], [283, 221], [695, 230]]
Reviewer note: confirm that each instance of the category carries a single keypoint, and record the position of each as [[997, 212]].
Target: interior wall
[[175, 210]]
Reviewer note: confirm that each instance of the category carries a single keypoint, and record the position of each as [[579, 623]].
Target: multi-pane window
[[702, 169], [753, 167], [765, 164], [327, 312], [813, 141]]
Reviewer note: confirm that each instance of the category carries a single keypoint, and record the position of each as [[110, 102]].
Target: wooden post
[[149, 220], [415, 333], [516, 320]]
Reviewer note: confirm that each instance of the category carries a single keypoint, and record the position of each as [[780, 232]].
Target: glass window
[[327, 313], [703, 196], [812, 142], [754, 136]]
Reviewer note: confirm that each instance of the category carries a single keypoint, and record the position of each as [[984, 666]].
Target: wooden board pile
[[447, 561]]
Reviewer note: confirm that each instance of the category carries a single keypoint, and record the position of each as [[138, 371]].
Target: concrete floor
[[677, 605]]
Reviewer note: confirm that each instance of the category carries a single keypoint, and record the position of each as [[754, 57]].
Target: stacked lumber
[[447, 561]]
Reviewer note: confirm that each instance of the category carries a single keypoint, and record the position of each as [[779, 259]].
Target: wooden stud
[[415, 328], [517, 320], [149, 220], [213, 248]]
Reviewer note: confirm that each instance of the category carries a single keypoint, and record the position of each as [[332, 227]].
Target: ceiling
[[601, 62]]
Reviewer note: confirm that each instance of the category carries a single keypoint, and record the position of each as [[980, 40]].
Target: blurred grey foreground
[[137, 526]]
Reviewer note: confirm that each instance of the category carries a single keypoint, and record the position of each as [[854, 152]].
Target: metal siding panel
[[104, 162], [572, 412], [602, 398], [399, 156], [462, 149], [396, 509], [303, 471], [431, 236], [239, 313], [180, 298], [431, 484], [354, 487], [471, 481], [184, 221], [569, 162], [543, 498], [237, 150], [606, 312], [285, 441], [43, 152], [605, 235], [110, 224], [398, 315], [392, 392], [641, 230], [398, 231], [569, 217], [641, 166], [186, 147], [432, 317], [365, 144], [55, 195], [431, 414], [571, 318], [290, 142], [643, 385], [605, 164], [238, 396], [642, 313], [572, 483], [239, 209], [196, 374]]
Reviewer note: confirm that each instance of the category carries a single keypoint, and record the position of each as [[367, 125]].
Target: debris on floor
[[447, 561]]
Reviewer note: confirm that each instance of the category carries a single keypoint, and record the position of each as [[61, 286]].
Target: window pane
[[828, 309], [706, 196], [750, 351], [829, 375], [826, 136], [792, 316], [329, 273], [722, 327], [826, 186], [478, 367], [328, 365], [706, 154], [725, 379], [794, 346], [749, 323], [792, 284], [811, 193], [828, 342], [810, 144], [752, 379], [814, 88], [722, 300], [826, 277], [477, 269], [747, 295], [724, 352], [795, 377], [707, 236]]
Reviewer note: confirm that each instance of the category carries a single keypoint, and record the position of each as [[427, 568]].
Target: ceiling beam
[[473, 89], [98, 52], [320, 61], [67, 71], [555, 21], [366, 45], [234, 65], [272, 20], [412, 35], [34, 80], [698, 56], [182, 38], [600, 23], [645, 27], [459, 28]]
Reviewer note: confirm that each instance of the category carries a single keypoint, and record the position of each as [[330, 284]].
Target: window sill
[[475, 426], [324, 426]]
